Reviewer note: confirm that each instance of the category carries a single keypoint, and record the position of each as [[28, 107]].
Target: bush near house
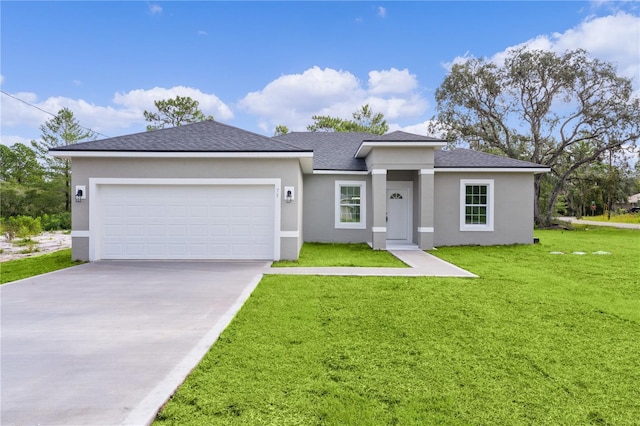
[[26, 226]]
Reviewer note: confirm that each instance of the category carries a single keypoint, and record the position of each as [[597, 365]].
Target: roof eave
[[534, 170], [180, 154]]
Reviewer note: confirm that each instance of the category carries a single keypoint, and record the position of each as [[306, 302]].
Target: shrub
[[20, 226], [56, 221]]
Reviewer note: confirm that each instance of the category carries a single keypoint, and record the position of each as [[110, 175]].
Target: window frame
[[362, 224], [484, 227]]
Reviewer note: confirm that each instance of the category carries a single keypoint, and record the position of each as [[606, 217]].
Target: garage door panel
[[136, 230], [218, 230], [155, 231], [187, 222]]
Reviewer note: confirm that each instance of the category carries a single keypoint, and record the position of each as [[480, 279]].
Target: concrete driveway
[[107, 343]]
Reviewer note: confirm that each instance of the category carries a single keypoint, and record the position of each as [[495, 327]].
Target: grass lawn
[[619, 218], [328, 254], [540, 338], [18, 269]]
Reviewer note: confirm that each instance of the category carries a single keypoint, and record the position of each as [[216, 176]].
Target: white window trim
[[363, 205], [488, 227]]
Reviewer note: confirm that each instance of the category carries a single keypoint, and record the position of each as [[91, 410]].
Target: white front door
[[399, 211]]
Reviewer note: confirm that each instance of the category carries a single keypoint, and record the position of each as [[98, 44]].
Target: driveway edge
[[145, 412]]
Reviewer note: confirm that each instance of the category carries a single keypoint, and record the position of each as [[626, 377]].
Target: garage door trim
[[95, 211]]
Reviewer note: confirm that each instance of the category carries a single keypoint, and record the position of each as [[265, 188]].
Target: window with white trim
[[476, 204], [351, 205]]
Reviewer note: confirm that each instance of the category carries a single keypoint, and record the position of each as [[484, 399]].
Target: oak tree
[[542, 107]]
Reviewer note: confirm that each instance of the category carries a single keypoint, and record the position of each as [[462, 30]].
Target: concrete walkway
[[596, 223], [421, 265]]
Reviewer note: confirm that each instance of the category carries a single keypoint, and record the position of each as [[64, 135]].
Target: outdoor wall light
[[81, 192], [288, 194]]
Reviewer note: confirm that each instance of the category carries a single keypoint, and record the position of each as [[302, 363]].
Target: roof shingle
[[331, 150], [205, 136], [466, 158]]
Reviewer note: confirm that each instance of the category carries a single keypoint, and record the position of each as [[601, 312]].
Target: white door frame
[[409, 186], [96, 210]]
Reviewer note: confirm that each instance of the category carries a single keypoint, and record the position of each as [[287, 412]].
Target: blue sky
[[258, 64]]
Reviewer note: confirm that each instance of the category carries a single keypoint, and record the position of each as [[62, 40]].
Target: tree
[[61, 130], [364, 120], [19, 164], [540, 106], [175, 112], [281, 129]]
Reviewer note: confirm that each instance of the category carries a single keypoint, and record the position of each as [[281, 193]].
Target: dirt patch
[[43, 243]]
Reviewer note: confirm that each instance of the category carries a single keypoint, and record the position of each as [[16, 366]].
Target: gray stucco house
[[213, 191]]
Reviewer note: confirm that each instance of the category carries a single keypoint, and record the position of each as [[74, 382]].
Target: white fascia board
[[178, 154], [340, 172], [493, 170], [366, 147]]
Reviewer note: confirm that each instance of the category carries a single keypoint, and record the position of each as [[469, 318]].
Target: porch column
[[379, 194], [425, 220]]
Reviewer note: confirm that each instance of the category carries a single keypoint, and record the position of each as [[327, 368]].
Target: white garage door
[[187, 222]]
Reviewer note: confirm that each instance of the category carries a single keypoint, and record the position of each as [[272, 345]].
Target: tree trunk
[[552, 200], [539, 216]]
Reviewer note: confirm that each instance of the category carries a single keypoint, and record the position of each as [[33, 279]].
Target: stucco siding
[[287, 170], [80, 248], [319, 210], [513, 210], [400, 158]]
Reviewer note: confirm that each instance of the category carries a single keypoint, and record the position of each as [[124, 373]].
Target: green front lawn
[[329, 254], [18, 269], [539, 338]]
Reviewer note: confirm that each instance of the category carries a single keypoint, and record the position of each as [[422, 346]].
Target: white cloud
[[155, 9], [202, 33], [139, 100], [125, 111], [614, 38], [292, 99], [77, 83], [382, 12], [1, 79], [391, 81]]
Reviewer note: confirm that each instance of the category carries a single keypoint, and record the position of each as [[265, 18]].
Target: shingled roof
[[331, 150], [205, 136], [336, 151], [468, 159]]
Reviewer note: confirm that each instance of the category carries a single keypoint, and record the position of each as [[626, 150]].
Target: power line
[[47, 112]]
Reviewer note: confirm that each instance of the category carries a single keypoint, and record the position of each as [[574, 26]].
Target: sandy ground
[[45, 243]]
